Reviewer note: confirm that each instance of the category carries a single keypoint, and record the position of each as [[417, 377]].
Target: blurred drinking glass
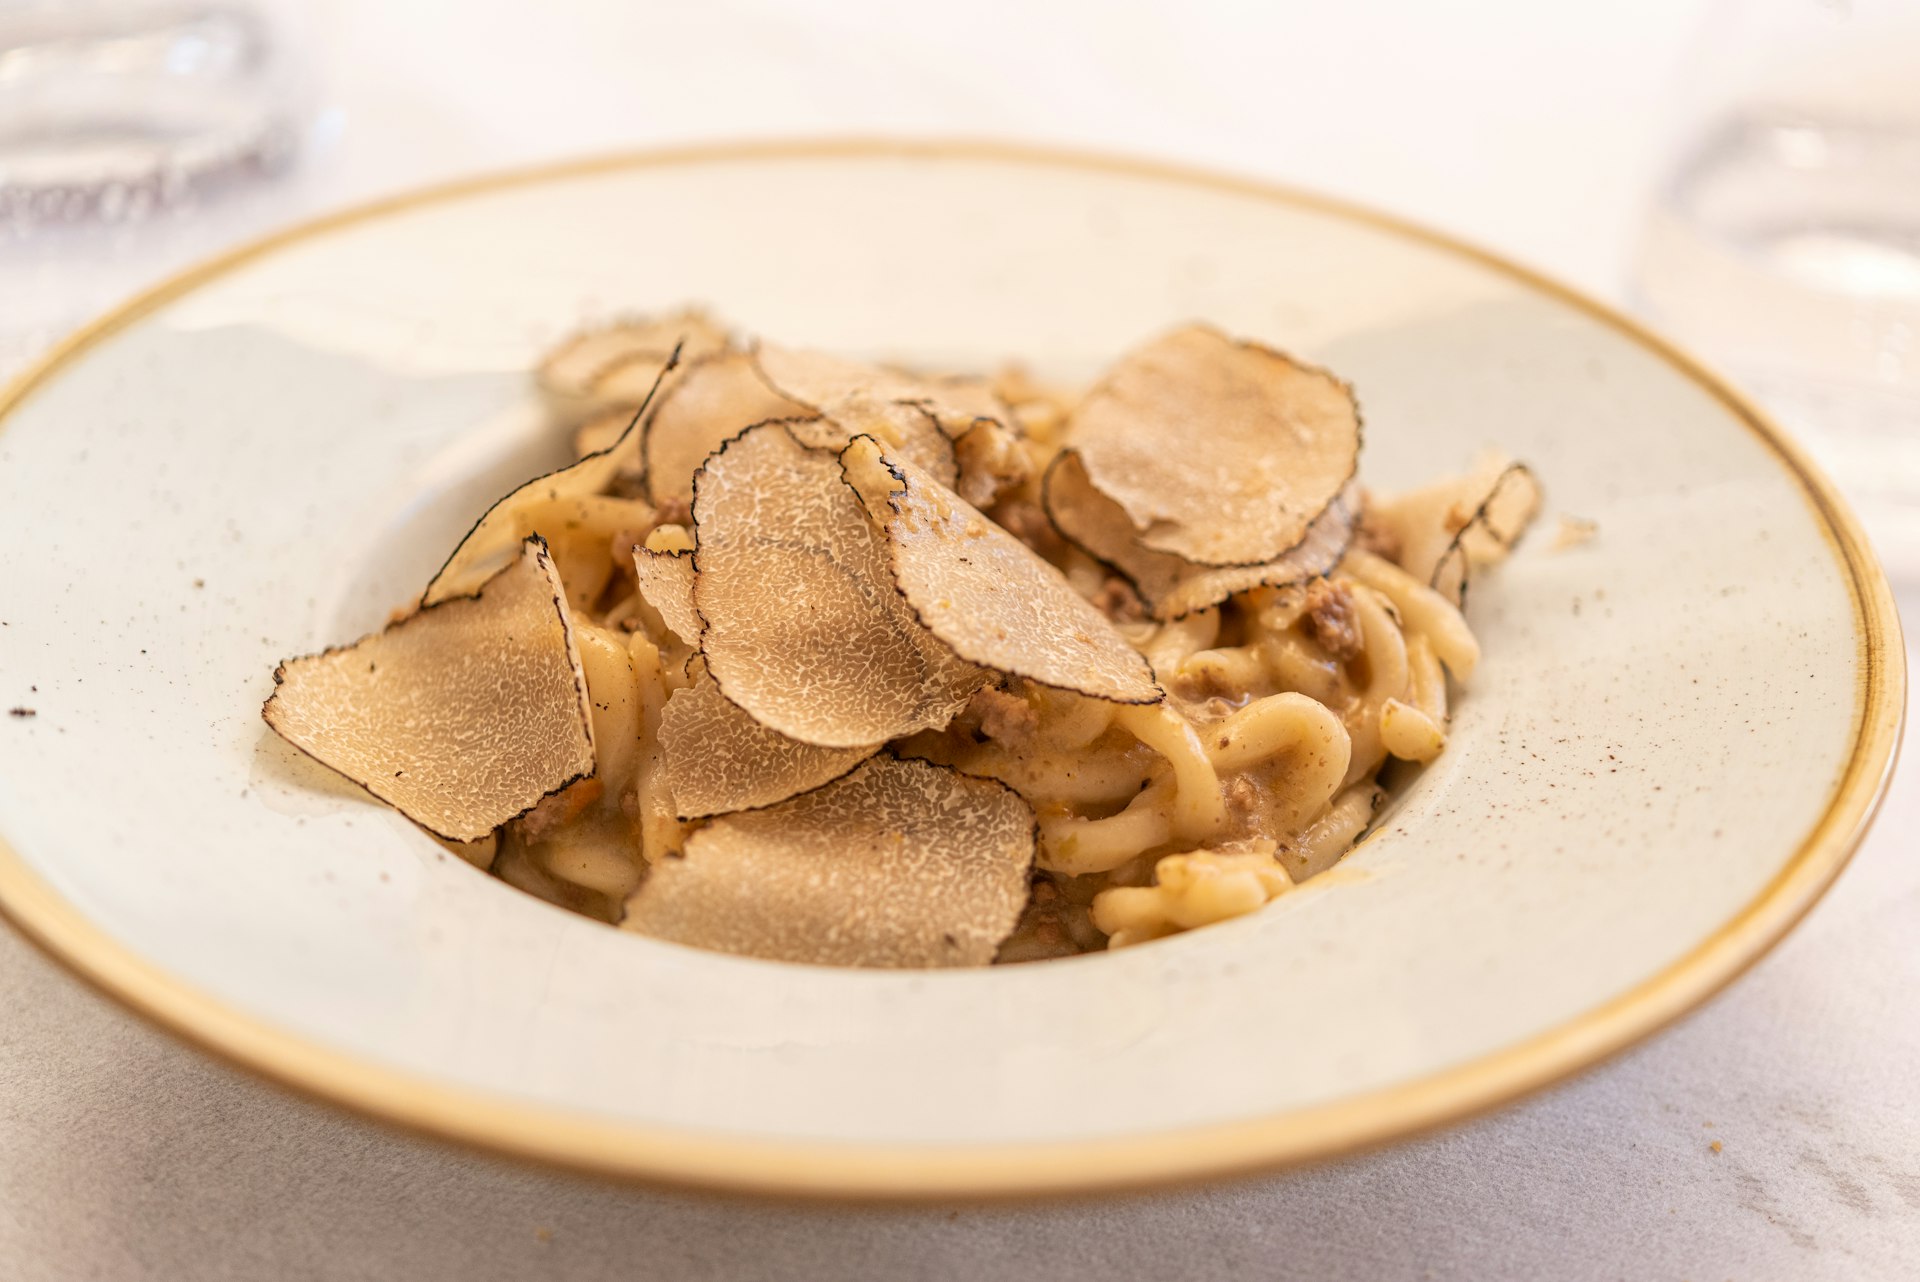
[[113, 109], [133, 135], [1784, 243]]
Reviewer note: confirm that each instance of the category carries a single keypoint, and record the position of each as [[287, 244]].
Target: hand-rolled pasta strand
[[1190, 890], [1093, 778], [595, 848], [1294, 663], [1292, 750], [1332, 835], [1384, 651], [1279, 723], [660, 829], [1410, 734], [1199, 808], [1421, 609], [1172, 642], [1237, 668], [1076, 846], [1426, 683]]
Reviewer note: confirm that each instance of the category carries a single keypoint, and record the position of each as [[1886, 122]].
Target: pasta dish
[[817, 660]]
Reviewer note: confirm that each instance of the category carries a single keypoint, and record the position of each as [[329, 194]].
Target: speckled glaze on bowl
[[1676, 738]]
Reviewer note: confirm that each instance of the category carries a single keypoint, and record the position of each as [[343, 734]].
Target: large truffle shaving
[[1172, 587], [711, 402], [615, 364], [904, 428], [461, 716], [719, 759], [804, 627], [490, 543], [987, 594], [824, 382], [1219, 452], [900, 864]]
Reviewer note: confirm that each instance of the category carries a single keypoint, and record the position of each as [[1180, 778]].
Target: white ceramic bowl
[[1678, 733]]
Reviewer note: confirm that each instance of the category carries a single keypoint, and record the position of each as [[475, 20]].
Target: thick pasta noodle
[[1258, 770]]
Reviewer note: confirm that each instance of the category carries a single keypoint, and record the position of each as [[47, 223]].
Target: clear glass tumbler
[[1784, 243], [133, 135]]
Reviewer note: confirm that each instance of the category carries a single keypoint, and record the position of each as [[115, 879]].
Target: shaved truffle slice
[[900, 864], [987, 594], [1490, 534], [804, 627], [961, 403], [491, 542], [461, 716], [824, 381], [666, 582], [616, 364], [1219, 452], [904, 428], [1451, 528], [601, 431], [714, 400], [1172, 587], [720, 760]]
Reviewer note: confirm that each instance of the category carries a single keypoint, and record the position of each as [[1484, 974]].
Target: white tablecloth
[[1531, 127]]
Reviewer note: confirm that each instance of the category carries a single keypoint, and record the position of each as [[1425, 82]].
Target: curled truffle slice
[[719, 759], [600, 431], [615, 364], [824, 381], [1170, 586], [804, 627], [490, 543], [1219, 452], [665, 580], [985, 593], [901, 426], [461, 716], [710, 402], [1452, 528], [900, 864], [1490, 534]]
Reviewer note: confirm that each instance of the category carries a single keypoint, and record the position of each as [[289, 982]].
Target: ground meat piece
[[552, 813], [1244, 811], [1028, 522], [1118, 601], [1004, 717], [1332, 619], [1054, 924]]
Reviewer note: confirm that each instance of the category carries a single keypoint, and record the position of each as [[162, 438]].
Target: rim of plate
[[680, 1158]]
